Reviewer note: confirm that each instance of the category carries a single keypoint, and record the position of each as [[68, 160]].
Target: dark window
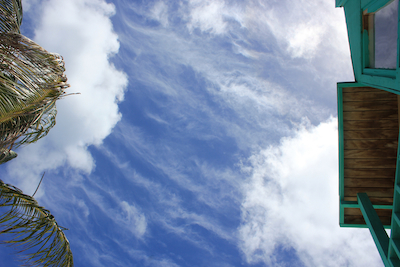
[[385, 39], [381, 43]]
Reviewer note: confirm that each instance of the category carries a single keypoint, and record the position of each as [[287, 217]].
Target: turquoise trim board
[[352, 11], [341, 149], [375, 226], [380, 72], [355, 204], [394, 241], [340, 3], [373, 6]]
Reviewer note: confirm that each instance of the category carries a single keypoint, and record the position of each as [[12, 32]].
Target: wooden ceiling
[[370, 134]]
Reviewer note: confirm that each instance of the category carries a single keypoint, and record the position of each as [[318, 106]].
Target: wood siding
[[370, 132]]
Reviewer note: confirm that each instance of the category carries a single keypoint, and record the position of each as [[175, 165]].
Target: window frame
[[368, 12]]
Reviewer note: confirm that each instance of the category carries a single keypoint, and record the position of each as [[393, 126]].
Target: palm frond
[[31, 81], [6, 155], [33, 228], [10, 15]]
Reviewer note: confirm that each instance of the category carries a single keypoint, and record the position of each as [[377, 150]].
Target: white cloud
[[291, 200], [160, 13], [82, 32], [304, 39], [83, 207], [132, 219], [207, 16], [303, 27], [211, 16]]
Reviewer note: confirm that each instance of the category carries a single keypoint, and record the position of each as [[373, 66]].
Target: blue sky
[[204, 134]]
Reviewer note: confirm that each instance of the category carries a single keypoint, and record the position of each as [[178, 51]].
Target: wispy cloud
[[209, 16], [133, 219], [302, 27], [268, 83], [169, 209]]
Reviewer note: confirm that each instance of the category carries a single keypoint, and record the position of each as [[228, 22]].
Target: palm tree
[[33, 228], [31, 81]]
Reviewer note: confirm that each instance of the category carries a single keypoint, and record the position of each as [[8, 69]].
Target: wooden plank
[[368, 96], [370, 153], [369, 173], [360, 89], [354, 219], [357, 211], [372, 192], [369, 105], [369, 163], [374, 200], [367, 182], [371, 134], [390, 114], [359, 219], [356, 173], [370, 144], [370, 124]]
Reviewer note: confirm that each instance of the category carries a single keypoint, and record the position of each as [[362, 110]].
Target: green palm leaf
[[6, 155], [31, 80], [33, 228], [10, 15]]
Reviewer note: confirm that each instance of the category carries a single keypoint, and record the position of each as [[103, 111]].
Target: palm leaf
[[10, 15], [6, 155], [33, 229], [31, 80]]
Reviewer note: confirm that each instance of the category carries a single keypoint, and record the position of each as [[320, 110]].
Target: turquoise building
[[368, 117]]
